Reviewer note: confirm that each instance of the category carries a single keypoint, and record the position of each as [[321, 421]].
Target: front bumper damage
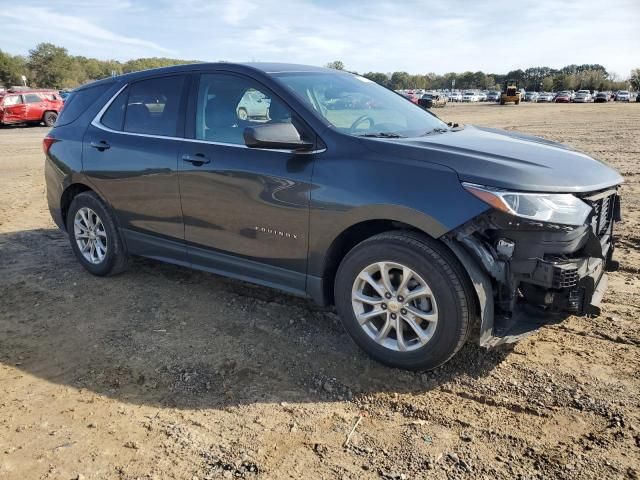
[[527, 274]]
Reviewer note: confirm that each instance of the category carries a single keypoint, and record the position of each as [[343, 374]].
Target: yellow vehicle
[[510, 93]]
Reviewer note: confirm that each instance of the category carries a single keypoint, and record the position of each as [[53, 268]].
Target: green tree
[[377, 77], [50, 66], [336, 65], [11, 69], [634, 79]]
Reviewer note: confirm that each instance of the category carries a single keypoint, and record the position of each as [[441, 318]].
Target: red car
[[27, 106], [562, 98]]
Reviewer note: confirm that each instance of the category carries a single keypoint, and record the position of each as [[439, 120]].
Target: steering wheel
[[361, 119]]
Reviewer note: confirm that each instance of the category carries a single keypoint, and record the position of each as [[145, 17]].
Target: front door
[[131, 154], [246, 211]]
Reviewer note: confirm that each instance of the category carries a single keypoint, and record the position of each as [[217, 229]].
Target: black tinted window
[[78, 101], [153, 106], [113, 118], [32, 98]]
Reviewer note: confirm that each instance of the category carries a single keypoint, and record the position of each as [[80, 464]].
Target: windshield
[[357, 106]]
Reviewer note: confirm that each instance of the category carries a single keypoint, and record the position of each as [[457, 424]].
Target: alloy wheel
[[90, 235], [394, 306]]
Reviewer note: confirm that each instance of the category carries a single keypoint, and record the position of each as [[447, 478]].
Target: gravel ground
[[164, 372]]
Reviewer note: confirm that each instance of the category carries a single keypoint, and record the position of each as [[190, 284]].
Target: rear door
[[130, 153], [35, 106], [246, 211]]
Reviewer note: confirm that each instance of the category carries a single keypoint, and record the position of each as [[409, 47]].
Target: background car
[[253, 105], [531, 97], [583, 96], [601, 97], [455, 97], [470, 96], [433, 100], [622, 96], [493, 96], [545, 97], [563, 97], [30, 106]]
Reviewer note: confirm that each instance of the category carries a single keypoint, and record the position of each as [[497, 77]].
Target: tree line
[[51, 66], [571, 77]]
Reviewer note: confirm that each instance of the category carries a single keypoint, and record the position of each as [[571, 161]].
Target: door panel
[[243, 203], [14, 112], [131, 156], [138, 177]]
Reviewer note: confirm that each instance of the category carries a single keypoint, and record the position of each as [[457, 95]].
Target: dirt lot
[[167, 373]]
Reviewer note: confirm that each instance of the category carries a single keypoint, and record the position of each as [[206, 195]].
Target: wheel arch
[[68, 194], [321, 288]]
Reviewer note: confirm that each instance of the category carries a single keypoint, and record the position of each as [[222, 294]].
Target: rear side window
[[78, 101], [153, 106], [32, 98]]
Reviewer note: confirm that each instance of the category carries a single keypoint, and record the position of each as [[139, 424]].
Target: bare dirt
[[163, 372]]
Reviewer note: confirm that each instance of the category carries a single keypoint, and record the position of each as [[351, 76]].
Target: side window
[[113, 118], [153, 106], [32, 98], [227, 104], [12, 100]]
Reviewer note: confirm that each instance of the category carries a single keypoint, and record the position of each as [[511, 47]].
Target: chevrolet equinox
[[422, 234]]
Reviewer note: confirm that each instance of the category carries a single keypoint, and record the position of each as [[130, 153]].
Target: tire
[[49, 118], [243, 114], [451, 305], [115, 258]]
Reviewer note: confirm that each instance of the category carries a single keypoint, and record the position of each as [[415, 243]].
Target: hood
[[510, 160]]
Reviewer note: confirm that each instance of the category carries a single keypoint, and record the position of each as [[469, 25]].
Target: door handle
[[196, 160], [102, 145]]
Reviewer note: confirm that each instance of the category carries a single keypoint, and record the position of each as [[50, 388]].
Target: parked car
[[433, 100], [482, 96], [601, 97], [493, 96], [583, 96], [455, 97], [470, 96], [456, 231], [637, 96], [253, 105], [563, 97], [622, 96], [531, 97], [545, 97], [412, 97], [30, 106]]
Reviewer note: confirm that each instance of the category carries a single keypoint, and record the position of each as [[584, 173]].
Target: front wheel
[[405, 300], [94, 236]]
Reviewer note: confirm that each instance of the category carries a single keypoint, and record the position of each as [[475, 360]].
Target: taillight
[[46, 144]]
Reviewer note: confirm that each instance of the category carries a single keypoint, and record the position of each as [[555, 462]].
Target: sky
[[367, 35]]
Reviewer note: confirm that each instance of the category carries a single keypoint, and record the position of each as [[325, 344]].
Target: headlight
[[562, 208]]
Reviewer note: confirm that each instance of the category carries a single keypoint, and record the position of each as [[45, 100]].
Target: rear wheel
[[94, 237], [405, 300], [243, 114], [49, 118]]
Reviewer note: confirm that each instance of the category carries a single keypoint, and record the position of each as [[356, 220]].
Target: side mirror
[[276, 136]]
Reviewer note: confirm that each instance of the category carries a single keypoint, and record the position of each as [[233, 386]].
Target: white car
[[455, 97], [583, 96], [470, 97], [622, 96]]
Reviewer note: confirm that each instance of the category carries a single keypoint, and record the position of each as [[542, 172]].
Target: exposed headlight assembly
[[561, 208]]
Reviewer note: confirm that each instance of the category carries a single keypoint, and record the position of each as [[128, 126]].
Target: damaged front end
[[527, 272]]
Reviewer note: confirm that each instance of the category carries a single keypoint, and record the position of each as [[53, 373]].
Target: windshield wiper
[[381, 135], [436, 130]]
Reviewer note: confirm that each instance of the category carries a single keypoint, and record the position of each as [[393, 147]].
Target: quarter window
[[227, 104], [153, 106]]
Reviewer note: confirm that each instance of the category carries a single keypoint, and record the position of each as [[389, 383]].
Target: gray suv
[[422, 234]]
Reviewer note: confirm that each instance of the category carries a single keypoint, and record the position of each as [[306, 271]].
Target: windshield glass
[[358, 106]]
